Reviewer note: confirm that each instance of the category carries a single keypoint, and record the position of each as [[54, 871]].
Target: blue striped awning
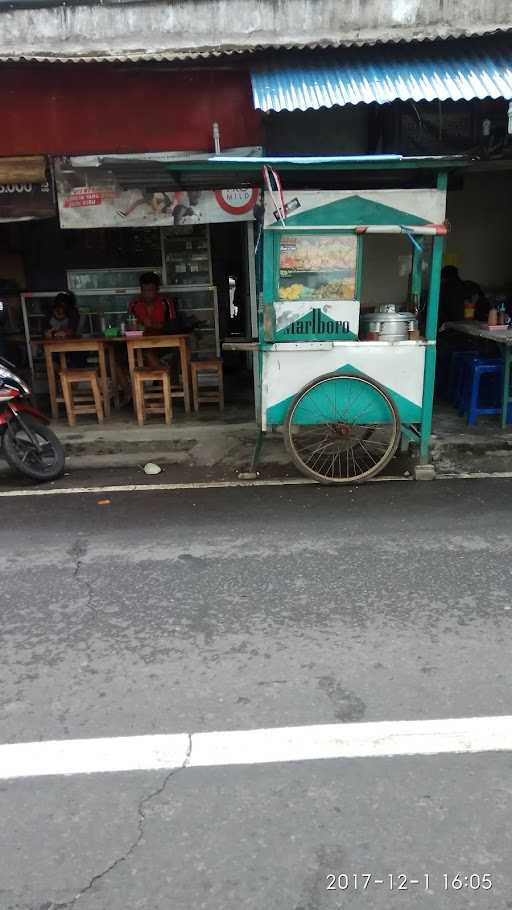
[[449, 70]]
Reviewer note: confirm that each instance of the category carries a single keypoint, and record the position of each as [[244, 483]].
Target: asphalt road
[[240, 609]]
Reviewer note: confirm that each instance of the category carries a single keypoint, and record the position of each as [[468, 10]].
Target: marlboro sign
[[333, 320]]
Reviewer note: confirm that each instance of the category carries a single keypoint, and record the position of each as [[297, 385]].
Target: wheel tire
[[366, 475], [29, 469]]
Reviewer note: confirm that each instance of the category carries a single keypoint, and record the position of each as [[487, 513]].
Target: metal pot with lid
[[388, 323]]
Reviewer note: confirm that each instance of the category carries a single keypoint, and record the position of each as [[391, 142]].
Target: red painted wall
[[90, 108]]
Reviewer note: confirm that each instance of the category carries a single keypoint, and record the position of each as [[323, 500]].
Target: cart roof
[[331, 162]]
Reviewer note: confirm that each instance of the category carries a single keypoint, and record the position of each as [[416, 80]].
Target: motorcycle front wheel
[[42, 462]]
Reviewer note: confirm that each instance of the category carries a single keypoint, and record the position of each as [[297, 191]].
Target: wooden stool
[[215, 395], [81, 402], [152, 401]]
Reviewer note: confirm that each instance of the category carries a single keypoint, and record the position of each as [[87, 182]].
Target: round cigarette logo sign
[[237, 202]]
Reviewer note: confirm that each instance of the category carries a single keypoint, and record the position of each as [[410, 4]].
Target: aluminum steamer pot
[[389, 324]]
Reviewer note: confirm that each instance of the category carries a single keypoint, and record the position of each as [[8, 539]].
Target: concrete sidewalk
[[228, 441], [225, 443], [457, 448], [216, 441]]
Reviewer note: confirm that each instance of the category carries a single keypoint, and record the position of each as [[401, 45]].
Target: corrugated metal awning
[[451, 70], [232, 49]]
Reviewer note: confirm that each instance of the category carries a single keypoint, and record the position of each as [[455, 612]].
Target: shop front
[[350, 252], [121, 217]]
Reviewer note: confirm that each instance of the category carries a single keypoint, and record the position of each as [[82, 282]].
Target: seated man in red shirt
[[153, 311]]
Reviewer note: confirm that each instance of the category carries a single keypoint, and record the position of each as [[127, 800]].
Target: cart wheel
[[342, 428]]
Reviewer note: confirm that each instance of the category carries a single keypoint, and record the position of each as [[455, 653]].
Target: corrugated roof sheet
[[386, 39], [450, 70]]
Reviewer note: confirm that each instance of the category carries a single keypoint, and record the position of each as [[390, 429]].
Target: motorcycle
[[26, 442]]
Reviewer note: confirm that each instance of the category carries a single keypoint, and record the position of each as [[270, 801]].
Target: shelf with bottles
[[186, 254]]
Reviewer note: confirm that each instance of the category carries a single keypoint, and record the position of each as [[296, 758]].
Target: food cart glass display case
[[315, 287], [317, 266]]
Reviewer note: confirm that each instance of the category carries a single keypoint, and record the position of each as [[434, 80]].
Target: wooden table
[[105, 346], [63, 346], [135, 347], [502, 336]]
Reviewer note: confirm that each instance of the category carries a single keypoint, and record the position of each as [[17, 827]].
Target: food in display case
[[318, 253], [336, 290], [319, 267], [331, 290]]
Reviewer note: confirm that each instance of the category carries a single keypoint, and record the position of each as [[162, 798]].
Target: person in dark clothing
[[455, 292]]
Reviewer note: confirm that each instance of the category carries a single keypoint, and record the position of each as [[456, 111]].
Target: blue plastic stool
[[460, 361], [457, 362], [474, 374], [462, 390]]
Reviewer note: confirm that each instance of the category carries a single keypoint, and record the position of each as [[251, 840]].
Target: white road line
[[156, 487], [153, 487], [475, 475], [222, 484], [249, 747], [93, 756]]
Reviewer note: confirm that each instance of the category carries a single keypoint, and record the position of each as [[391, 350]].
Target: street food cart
[[346, 396]]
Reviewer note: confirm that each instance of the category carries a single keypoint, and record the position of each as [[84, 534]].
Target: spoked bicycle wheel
[[342, 428]]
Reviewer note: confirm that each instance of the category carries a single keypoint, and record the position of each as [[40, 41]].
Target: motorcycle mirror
[[7, 363]]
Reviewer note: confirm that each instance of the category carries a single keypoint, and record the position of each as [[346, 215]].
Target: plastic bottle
[[469, 309], [492, 318]]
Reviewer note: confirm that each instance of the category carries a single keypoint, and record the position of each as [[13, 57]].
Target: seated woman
[[64, 318], [62, 322]]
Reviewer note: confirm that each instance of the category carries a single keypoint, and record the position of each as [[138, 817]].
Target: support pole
[[431, 335], [417, 276], [506, 388], [252, 473], [430, 351]]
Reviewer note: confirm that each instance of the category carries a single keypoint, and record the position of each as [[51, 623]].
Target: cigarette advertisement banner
[[107, 195]]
